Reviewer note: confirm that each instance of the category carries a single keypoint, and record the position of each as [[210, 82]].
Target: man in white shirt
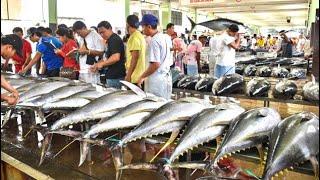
[[215, 49], [169, 34], [301, 43], [307, 49], [157, 77], [230, 42], [91, 50], [254, 42]]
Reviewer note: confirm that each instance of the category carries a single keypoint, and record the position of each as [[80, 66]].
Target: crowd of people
[[100, 55]]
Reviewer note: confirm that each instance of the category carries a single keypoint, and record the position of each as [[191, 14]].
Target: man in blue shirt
[[45, 49]]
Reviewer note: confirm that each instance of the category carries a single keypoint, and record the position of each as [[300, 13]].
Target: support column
[[166, 13], [127, 8], [53, 19], [196, 15]]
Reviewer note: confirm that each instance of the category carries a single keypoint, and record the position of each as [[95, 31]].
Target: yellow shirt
[[136, 42], [260, 43], [271, 42]]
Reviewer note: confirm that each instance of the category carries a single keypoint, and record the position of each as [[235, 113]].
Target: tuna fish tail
[[315, 166], [117, 156], [193, 24], [45, 147], [84, 150], [6, 117], [44, 131]]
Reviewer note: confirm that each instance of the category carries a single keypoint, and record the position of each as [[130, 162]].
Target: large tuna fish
[[176, 76], [55, 95], [104, 106], [284, 61], [297, 73], [158, 167], [264, 71], [249, 129], [294, 140], [240, 69], [250, 70], [42, 88], [311, 91], [207, 125], [285, 89], [219, 24], [93, 94], [130, 116], [188, 82], [280, 72], [205, 84], [66, 104], [169, 118], [258, 87], [227, 84]]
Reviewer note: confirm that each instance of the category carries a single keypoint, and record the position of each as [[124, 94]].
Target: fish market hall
[[152, 90]]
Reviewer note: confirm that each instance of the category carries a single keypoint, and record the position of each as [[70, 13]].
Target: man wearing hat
[[157, 77], [10, 45]]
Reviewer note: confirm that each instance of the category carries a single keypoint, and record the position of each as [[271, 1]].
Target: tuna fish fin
[[84, 150], [154, 98], [193, 24], [173, 136], [219, 141], [134, 88], [45, 147], [315, 166], [263, 113]]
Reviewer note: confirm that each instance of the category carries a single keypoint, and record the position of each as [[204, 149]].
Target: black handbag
[[90, 59]]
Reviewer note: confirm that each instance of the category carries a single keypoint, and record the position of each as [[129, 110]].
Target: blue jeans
[[192, 70], [115, 83], [220, 71]]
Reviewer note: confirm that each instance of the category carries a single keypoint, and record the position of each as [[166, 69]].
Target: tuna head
[[250, 70], [208, 125], [258, 87], [311, 91], [294, 140], [285, 89], [249, 129], [227, 84], [264, 71]]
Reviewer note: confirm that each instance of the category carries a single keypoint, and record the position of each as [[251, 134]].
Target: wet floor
[[65, 165]]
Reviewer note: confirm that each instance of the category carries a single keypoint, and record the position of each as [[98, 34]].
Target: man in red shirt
[[20, 62]]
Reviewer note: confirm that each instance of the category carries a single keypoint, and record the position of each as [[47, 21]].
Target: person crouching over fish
[[230, 41], [10, 45]]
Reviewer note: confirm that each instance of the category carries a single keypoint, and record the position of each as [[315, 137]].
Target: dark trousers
[[38, 67], [53, 73], [185, 68]]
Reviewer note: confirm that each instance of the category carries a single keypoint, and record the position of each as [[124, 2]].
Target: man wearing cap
[[26, 52], [286, 45], [157, 77], [10, 45]]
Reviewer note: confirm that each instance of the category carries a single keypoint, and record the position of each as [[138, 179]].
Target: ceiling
[[270, 13]]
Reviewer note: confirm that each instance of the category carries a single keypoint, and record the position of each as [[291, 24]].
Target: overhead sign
[[200, 1]]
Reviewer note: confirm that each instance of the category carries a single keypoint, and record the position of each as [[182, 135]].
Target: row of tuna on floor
[[148, 115]]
